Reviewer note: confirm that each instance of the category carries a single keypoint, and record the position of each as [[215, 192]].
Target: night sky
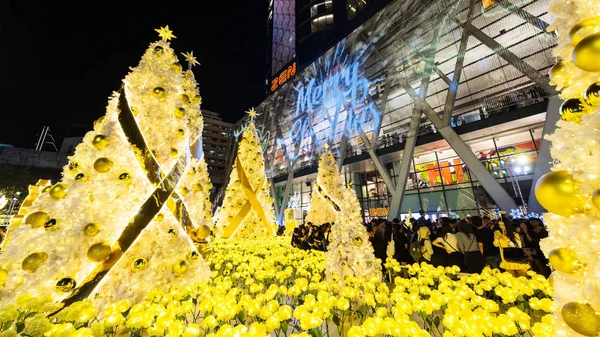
[[60, 61]]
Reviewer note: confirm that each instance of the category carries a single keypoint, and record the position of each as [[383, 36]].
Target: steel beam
[[523, 14]]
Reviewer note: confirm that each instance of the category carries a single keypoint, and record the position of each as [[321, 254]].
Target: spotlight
[[518, 169]]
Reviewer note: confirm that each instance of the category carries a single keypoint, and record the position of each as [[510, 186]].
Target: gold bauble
[[587, 24], [194, 255], [557, 72], [65, 285], [52, 225], [586, 54], [181, 267], [159, 217], [81, 177], [358, 241], [184, 191], [37, 219], [174, 153], [125, 177], [572, 109], [134, 111], [596, 198], [185, 98], [565, 260], [179, 112], [172, 231], [139, 264], [203, 232], [3, 276], [100, 142], [556, 192], [197, 188], [197, 99], [204, 248], [91, 229], [113, 258], [103, 165], [180, 133], [46, 189], [160, 92], [58, 191], [551, 280], [99, 252], [591, 96], [33, 261], [581, 317], [158, 50], [176, 67]]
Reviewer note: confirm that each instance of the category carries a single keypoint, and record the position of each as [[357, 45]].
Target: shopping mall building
[[440, 105]]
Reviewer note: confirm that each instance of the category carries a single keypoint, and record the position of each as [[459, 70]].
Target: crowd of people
[[471, 243]]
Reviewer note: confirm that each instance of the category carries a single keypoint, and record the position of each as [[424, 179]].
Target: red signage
[[283, 76]]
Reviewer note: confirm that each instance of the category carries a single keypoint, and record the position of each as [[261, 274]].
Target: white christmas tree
[[118, 196], [247, 209], [328, 185], [571, 192]]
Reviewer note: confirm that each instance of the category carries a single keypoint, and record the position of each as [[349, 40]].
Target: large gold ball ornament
[[176, 67], [179, 112], [558, 72], [99, 252], [4, 276], [565, 260], [103, 165], [358, 241], [174, 153], [159, 92], [581, 317], [33, 261], [572, 109], [46, 189], [52, 225], [197, 188], [556, 192], [37, 219], [586, 54], [58, 191], [184, 191], [582, 29], [80, 177], [181, 267], [592, 94], [197, 99], [158, 50], [125, 177], [113, 258], [185, 98], [203, 232], [100, 142], [596, 198], [159, 217], [139, 264], [180, 133], [65, 285], [91, 229]]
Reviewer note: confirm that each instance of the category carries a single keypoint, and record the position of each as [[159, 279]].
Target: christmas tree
[[329, 184], [571, 191], [247, 209], [112, 226]]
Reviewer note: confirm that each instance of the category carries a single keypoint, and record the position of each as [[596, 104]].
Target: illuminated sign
[[378, 211], [283, 76]]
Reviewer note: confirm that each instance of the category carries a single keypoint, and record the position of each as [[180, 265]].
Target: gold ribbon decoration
[[327, 197], [251, 203]]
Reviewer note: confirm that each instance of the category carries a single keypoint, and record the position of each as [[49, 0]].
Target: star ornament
[[252, 113], [326, 146], [191, 59], [165, 33]]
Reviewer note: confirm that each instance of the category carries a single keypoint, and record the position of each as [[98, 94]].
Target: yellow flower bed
[[265, 287]]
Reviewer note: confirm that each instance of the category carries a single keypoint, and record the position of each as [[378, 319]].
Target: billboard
[[284, 34]]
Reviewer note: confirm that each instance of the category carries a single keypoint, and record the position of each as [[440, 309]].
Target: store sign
[[283, 76], [378, 212]]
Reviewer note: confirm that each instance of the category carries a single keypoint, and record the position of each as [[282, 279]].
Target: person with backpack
[[421, 249]]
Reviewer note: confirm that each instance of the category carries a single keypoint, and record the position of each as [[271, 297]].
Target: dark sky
[[61, 60]]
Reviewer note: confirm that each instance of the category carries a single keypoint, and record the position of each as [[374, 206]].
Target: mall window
[[354, 7], [321, 23]]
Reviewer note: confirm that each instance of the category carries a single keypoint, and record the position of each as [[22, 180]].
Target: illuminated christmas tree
[[571, 191], [247, 209], [329, 184], [112, 226]]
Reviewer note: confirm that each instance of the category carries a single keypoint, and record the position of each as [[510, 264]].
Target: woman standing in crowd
[[512, 256], [423, 235], [401, 252], [468, 245], [447, 241]]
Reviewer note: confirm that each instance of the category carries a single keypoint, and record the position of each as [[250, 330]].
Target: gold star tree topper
[[252, 113], [165, 33], [326, 146], [191, 59]]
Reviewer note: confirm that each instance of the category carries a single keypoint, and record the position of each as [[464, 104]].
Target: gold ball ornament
[[591, 95], [103, 165], [125, 177], [596, 198], [565, 260], [557, 73], [158, 50], [139, 265], [3, 276], [181, 267], [58, 191], [179, 112], [174, 153], [99, 252], [197, 99], [134, 111], [197, 188], [203, 232], [160, 217], [185, 98], [159, 92], [358, 241], [582, 29], [37, 219], [581, 317], [65, 285], [556, 191], [91, 229], [180, 133], [572, 109], [113, 258], [100, 142], [33, 261], [194, 255], [80, 177], [184, 191], [46, 189], [586, 54], [52, 225], [172, 231], [176, 67]]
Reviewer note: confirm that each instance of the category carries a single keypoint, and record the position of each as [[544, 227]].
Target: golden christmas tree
[[328, 185], [115, 225], [247, 209], [571, 191]]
